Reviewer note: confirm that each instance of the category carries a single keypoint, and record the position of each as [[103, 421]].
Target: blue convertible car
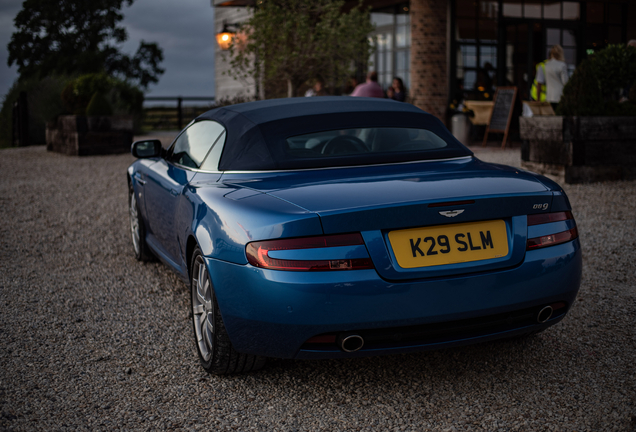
[[342, 227]]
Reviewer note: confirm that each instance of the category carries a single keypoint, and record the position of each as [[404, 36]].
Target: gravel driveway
[[92, 339]]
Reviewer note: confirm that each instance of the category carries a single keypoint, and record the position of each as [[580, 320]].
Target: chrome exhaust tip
[[350, 342], [544, 314]]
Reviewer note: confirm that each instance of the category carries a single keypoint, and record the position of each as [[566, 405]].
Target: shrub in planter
[[123, 98], [616, 70], [582, 93], [105, 111], [78, 93], [99, 106], [599, 82]]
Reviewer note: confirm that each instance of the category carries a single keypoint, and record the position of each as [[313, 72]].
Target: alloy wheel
[[134, 224], [203, 309]]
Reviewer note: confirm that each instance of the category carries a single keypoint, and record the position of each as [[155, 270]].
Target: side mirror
[[146, 149]]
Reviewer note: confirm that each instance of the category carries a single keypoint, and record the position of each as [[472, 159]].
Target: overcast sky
[[183, 28]]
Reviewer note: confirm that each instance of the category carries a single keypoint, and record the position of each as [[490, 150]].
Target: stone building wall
[[225, 85]]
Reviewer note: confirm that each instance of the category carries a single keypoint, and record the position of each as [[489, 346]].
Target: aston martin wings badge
[[451, 213]]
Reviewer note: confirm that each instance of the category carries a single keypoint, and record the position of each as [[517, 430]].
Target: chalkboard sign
[[501, 115]]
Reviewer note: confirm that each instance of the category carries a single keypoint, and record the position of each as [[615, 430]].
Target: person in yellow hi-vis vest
[[536, 87]]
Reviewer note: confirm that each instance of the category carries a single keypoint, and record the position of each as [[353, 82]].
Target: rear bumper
[[273, 313]]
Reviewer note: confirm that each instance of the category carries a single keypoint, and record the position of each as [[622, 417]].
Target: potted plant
[[103, 112], [591, 137]]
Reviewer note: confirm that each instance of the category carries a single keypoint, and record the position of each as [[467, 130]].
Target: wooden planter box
[[579, 149], [82, 136]]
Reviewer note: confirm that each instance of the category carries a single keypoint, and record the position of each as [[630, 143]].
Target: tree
[[72, 37], [297, 40]]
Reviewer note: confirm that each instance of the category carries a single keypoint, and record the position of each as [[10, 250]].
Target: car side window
[[193, 145], [211, 163]]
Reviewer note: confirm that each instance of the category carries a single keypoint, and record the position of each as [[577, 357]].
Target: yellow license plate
[[449, 244]]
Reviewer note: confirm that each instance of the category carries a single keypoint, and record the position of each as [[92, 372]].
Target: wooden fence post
[[20, 129], [179, 101]]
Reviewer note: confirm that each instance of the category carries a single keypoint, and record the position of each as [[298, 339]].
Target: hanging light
[[226, 36]]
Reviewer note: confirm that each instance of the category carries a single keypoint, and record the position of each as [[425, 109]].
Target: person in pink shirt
[[371, 88]]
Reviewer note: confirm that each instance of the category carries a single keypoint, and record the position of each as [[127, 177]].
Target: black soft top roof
[[257, 131]]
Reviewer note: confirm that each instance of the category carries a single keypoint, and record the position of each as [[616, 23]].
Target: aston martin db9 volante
[[340, 227]]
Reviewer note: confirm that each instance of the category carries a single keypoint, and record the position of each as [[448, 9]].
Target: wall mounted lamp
[[224, 38]]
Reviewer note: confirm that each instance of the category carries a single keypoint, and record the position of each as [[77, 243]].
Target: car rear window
[[363, 141], [344, 132]]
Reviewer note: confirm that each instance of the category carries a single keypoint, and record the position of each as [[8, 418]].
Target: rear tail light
[[544, 218], [551, 239], [258, 254]]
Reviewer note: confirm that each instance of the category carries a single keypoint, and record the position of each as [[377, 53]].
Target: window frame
[[170, 151], [478, 44], [393, 50]]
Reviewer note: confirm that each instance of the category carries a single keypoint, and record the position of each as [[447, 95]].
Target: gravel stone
[[93, 340]]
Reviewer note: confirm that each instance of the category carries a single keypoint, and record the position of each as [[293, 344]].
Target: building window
[[567, 39], [500, 42], [392, 39], [476, 36], [538, 9], [603, 25]]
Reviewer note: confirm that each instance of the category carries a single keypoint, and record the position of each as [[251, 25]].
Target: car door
[[166, 184]]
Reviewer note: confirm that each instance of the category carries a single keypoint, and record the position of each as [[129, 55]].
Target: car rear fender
[[226, 218]]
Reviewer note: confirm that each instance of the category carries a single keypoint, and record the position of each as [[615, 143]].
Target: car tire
[[216, 353], [138, 229]]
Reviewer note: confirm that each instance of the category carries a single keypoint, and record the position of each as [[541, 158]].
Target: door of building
[[518, 57], [566, 36], [528, 43]]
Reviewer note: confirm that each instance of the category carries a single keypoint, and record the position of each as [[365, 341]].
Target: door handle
[[174, 192], [139, 179]]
